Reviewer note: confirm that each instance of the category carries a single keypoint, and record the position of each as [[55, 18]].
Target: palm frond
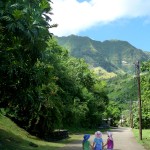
[[18, 14], [6, 18]]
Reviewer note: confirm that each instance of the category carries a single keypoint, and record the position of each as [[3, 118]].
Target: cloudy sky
[[127, 20]]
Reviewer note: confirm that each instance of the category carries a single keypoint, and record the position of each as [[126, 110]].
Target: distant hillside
[[148, 54], [112, 55]]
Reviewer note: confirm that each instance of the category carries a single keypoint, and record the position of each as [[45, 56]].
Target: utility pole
[[131, 115], [139, 99]]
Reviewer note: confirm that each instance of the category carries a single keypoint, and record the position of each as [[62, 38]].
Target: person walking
[[110, 142], [86, 145], [98, 141]]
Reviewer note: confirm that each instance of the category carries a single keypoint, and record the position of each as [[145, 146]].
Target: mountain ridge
[[112, 55]]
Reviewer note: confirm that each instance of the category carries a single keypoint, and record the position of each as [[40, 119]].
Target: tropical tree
[[24, 31], [145, 94], [42, 86]]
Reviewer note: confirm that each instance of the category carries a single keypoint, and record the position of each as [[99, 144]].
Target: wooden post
[[139, 100]]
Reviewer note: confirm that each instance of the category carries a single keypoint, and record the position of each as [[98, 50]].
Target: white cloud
[[73, 16]]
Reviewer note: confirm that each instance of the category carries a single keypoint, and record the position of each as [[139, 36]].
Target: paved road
[[123, 140]]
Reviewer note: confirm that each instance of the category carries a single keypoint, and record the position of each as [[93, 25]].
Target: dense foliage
[[42, 87], [123, 91], [145, 83], [145, 95]]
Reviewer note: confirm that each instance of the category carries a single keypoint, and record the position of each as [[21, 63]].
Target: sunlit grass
[[14, 138], [103, 74], [145, 137]]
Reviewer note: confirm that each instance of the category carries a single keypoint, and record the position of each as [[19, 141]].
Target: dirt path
[[123, 140]]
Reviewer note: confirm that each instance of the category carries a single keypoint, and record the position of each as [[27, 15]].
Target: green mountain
[[148, 54], [111, 55]]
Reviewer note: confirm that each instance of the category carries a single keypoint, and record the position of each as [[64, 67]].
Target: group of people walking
[[98, 143]]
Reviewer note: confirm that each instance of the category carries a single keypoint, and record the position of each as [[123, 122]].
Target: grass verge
[[14, 138], [145, 137]]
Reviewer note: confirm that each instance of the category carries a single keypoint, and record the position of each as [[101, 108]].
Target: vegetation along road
[[123, 140]]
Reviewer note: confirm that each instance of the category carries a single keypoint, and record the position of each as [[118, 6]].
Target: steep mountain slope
[[112, 55], [148, 54]]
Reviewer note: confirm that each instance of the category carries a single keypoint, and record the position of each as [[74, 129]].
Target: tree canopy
[[42, 87]]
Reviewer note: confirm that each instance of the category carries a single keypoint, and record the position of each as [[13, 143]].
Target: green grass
[[14, 138], [103, 74], [145, 137]]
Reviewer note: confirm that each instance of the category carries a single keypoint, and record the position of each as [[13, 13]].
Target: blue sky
[[127, 20]]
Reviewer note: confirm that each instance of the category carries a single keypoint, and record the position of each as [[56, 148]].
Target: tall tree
[[145, 94], [24, 32]]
